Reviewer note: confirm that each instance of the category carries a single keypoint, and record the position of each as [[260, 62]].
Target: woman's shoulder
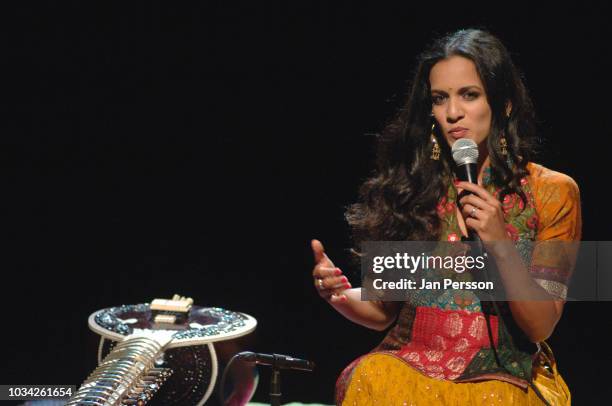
[[557, 202], [545, 181]]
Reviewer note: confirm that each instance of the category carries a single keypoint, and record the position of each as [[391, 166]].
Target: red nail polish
[[344, 299], [347, 286], [344, 279], [337, 272]]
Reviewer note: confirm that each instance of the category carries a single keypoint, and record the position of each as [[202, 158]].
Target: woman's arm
[[337, 291], [538, 317], [372, 314]]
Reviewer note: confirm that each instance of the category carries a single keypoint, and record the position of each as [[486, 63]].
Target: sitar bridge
[[171, 311]]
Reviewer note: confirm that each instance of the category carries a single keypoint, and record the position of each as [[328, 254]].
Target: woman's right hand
[[328, 280]]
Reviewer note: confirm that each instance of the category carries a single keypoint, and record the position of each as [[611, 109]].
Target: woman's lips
[[458, 133]]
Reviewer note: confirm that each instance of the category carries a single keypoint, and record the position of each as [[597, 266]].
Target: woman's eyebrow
[[463, 89]]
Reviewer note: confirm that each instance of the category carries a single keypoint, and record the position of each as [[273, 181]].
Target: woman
[[457, 349]]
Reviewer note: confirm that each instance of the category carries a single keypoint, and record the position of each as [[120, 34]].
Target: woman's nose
[[453, 110]]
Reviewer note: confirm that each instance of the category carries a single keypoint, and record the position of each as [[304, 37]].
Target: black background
[[197, 149]]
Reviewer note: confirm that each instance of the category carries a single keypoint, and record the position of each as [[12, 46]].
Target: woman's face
[[459, 101]]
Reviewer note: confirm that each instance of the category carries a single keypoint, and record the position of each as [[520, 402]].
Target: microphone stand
[[275, 392], [277, 362], [275, 385]]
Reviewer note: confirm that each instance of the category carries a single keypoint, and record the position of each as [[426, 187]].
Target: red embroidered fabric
[[444, 342]]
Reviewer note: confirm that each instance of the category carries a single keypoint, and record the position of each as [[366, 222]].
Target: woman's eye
[[470, 95], [437, 99]]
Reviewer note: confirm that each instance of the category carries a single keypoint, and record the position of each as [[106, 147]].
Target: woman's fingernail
[[337, 272], [344, 298], [344, 279], [347, 286]]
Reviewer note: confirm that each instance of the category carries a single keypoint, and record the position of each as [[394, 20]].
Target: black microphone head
[[465, 151]]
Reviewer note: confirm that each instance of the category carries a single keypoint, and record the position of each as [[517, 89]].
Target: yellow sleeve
[[557, 201]]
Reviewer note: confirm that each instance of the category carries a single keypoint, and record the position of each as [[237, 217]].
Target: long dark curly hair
[[398, 202]]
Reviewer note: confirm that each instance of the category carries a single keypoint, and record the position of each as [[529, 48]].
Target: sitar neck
[[127, 375]]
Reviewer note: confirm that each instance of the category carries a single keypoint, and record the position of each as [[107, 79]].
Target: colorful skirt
[[387, 380]]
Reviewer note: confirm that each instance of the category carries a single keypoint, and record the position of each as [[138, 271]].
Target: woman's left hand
[[483, 213]]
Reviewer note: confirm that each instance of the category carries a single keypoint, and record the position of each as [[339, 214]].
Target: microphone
[[277, 361], [465, 154]]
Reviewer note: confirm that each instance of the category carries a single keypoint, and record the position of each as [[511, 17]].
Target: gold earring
[[504, 146], [435, 151]]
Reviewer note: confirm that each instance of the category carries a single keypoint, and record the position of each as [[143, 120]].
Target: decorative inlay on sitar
[[159, 353]]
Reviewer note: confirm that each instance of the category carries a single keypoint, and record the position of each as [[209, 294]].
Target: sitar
[[158, 353]]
